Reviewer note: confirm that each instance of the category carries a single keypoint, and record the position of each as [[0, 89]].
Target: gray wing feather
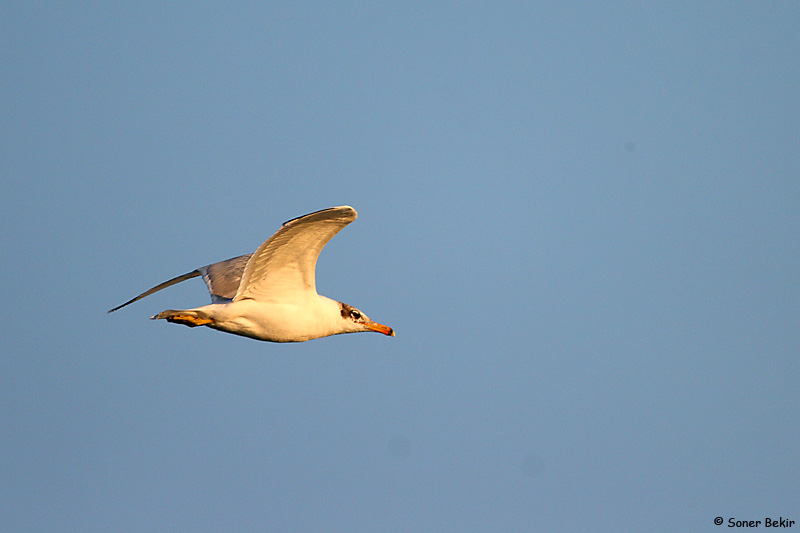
[[222, 280]]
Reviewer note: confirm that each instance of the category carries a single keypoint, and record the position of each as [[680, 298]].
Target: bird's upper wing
[[222, 280], [283, 268]]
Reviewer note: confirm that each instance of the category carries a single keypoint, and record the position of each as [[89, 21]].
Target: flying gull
[[271, 295]]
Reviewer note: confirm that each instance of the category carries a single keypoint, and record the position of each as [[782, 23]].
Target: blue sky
[[581, 220]]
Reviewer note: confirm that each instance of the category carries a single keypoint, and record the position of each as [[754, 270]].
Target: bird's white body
[[271, 295], [276, 321]]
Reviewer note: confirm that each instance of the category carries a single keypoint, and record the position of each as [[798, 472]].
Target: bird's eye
[[355, 315]]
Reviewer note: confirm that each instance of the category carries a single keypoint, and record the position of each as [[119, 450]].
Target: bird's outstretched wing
[[283, 268], [222, 280]]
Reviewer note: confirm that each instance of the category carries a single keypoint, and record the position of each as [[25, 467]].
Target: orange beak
[[380, 328]]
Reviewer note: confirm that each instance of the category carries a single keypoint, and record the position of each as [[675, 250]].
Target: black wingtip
[[173, 281], [119, 307]]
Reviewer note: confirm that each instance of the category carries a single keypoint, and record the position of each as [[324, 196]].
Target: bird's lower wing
[[173, 281], [222, 280]]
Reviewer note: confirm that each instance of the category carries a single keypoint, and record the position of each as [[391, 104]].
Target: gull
[[271, 294]]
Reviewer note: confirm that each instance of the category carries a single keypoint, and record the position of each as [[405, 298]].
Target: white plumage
[[271, 295]]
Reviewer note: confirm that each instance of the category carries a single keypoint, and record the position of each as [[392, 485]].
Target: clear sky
[[582, 220]]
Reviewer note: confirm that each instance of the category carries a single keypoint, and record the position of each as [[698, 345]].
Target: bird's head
[[356, 321]]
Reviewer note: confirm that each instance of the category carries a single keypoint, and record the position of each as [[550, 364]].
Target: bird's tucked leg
[[183, 317], [190, 321]]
